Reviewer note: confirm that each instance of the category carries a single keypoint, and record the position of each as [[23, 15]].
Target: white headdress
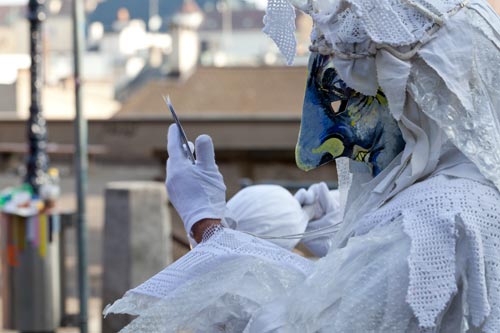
[[404, 45]]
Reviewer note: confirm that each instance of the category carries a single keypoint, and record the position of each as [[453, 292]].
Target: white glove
[[197, 191], [316, 200], [323, 208]]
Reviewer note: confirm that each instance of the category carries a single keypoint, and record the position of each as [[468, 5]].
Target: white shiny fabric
[[268, 211]]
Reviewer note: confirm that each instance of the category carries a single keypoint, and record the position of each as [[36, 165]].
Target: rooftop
[[241, 20], [229, 90]]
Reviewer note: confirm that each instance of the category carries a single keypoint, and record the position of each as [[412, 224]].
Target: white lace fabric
[[347, 24], [221, 247], [400, 22], [279, 25], [222, 299], [435, 213], [441, 216]]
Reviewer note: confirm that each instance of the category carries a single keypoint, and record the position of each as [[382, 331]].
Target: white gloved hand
[[197, 191], [316, 200], [323, 209]]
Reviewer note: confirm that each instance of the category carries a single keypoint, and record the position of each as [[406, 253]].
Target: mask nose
[[312, 150], [318, 144]]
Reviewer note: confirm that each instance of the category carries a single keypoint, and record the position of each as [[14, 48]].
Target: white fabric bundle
[[267, 210]]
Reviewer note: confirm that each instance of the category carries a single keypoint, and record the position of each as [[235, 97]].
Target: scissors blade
[[184, 138]]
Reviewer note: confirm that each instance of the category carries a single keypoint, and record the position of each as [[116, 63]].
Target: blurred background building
[[130, 44], [225, 77]]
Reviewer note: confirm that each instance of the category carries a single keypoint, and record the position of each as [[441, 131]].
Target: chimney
[[185, 41]]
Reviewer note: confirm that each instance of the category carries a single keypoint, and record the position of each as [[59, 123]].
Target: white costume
[[418, 249]]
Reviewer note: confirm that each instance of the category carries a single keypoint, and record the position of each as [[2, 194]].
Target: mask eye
[[336, 105], [330, 81]]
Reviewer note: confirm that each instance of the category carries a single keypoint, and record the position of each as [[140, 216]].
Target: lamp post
[[81, 160], [37, 162]]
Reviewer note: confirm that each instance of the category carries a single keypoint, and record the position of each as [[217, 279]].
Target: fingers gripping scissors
[[184, 139]]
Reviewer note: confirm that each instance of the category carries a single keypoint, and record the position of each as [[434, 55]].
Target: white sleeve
[[220, 247]]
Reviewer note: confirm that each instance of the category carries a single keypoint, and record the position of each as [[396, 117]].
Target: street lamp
[[38, 161]]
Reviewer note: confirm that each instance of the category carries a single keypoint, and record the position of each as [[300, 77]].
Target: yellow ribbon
[[43, 235]]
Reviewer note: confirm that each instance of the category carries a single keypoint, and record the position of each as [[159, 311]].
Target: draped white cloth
[[267, 211]]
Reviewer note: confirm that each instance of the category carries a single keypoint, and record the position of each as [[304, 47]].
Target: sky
[[13, 2], [260, 3]]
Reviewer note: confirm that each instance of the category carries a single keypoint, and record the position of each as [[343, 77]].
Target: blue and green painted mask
[[337, 121]]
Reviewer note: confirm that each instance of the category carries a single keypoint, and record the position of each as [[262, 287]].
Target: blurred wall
[[8, 105], [261, 149]]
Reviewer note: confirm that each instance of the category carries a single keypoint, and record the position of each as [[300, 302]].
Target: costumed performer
[[416, 139]]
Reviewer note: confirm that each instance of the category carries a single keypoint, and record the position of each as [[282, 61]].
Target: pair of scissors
[[184, 139]]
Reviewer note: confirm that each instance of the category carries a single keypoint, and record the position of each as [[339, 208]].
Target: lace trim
[[331, 45], [210, 231], [279, 25], [388, 23]]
